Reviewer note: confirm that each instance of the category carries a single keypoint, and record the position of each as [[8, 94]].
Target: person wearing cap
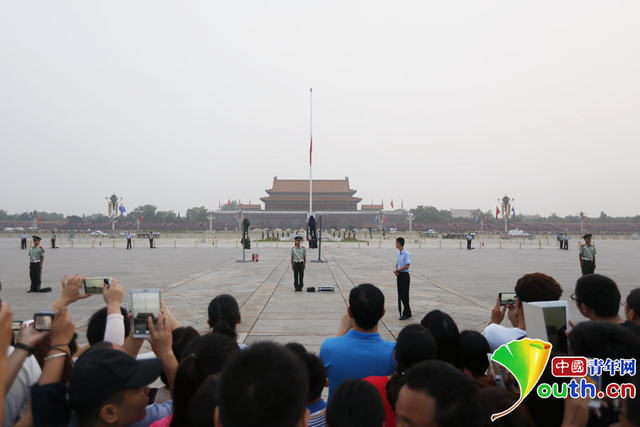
[[587, 255], [109, 387], [36, 262], [298, 264]]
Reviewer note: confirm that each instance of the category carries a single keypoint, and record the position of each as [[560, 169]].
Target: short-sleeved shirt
[[587, 252], [128, 235], [36, 253], [24, 236], [469, 237], [404, 258], [566, 237], [356, 355], [298, 254]]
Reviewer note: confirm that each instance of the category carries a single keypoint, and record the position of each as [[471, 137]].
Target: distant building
[[249, 207], [371, 207], [329, 195], [462, 213]]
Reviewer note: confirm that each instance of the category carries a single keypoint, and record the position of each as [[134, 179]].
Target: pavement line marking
[[353, 285], [268, 299]]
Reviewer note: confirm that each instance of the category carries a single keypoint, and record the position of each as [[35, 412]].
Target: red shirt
[[380, 383]]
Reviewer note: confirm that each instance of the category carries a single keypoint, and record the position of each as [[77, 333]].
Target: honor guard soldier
[[587, 255], [298, 264], [36, 262]]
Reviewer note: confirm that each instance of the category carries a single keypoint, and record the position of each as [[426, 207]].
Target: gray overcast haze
[[445, 103]]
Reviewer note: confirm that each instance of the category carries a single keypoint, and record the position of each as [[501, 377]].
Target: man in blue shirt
[[401, 271], [358, 351]]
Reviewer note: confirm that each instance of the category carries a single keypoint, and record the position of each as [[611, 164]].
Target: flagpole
[[310, 150]]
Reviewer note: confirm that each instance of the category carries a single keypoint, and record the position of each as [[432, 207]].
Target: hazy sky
[[445, 103]]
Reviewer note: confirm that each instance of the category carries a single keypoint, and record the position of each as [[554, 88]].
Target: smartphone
[[144, 303], [42, 321], [16, 324], [507, 298], [596, 380], [95, 285]]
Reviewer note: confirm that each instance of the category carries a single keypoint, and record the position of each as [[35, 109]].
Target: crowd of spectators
[[432, 375]]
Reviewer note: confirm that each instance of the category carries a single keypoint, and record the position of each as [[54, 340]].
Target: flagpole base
[[319, 260]]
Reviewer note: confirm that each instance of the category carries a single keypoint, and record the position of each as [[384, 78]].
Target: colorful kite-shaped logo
[[526, 360]]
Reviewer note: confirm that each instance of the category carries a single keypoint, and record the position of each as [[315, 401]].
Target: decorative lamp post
[[506, 203]]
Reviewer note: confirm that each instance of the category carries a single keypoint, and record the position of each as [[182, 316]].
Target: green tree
[[146, 211], [233, 206], [166, 216], [430, 214], [197, 214]]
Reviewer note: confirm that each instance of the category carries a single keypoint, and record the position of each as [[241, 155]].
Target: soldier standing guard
[[587, 255], [36, 262], [298, 264]]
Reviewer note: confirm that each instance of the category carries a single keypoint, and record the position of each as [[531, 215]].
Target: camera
[[43, 320], [95, 285], [507, 298]]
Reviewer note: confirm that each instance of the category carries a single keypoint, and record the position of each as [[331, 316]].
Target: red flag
[[486, 219], [40, 218], [229, 202], [391, 203], [385, 219], [142, 219], [586, 219], [497, 212]]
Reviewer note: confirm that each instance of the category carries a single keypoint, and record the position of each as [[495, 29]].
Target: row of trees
[[421, 214], [431, 214]]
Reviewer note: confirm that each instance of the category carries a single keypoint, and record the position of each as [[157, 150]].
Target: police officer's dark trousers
[[403, 281], [128, 243], [23, 244], [53, 243], [35, 274], [468, 244], [588, 267], [151, 243], [298, 275]]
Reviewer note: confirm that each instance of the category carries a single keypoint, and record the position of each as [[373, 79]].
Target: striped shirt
[[317, 416]]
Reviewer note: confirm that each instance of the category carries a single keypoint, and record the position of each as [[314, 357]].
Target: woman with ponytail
[[202, 357], [414, 344], [224, 315]]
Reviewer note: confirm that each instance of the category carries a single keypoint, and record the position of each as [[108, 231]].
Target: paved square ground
[[460, 282]]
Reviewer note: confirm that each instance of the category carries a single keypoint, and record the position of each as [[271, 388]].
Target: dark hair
[[603, 340], [546, 412], [98, 323], [473, 352], [455, 394], [415, 344], [633, 405], [203, 356], [366, 302], [445, 332], [599, 293], [496, 399], [180, 338], [296, 348], [263, 385], [355, 403], [202, 405], [224, 315], [633, 300], [400, 240], [88, 414], [537, 287]]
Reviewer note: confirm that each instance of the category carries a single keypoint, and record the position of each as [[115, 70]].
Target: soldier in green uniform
[[587, 255], [298, 263], [36, 262]]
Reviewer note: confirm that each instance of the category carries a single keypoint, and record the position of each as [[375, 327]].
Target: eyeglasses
[[574, 298]]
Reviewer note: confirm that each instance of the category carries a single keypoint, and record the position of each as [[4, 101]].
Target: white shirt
[[497, 335], [15, 403]]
